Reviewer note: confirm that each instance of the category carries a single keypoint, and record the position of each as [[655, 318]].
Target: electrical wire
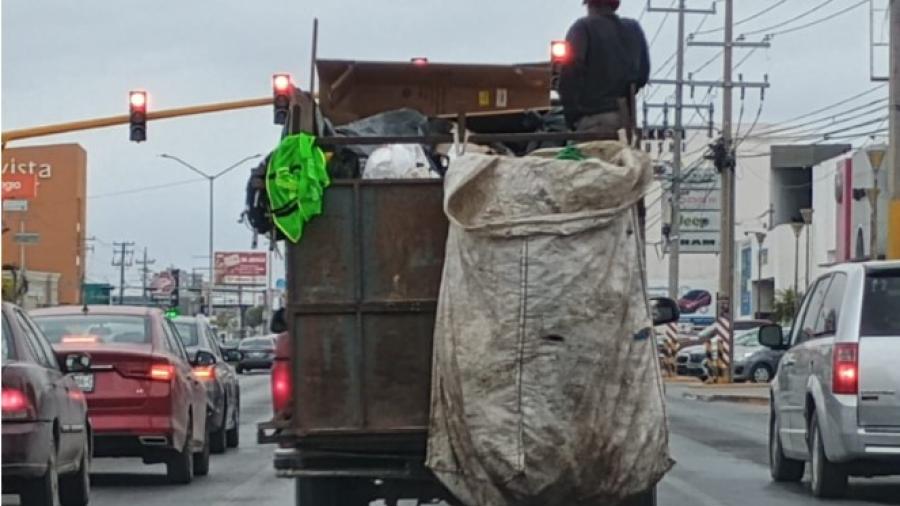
[[828, 107], [868, 108], [791, 20], [661, 25], [763, 12], [145, 189], [820, 21]]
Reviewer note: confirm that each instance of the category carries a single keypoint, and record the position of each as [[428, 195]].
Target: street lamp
[[807, 215], [212, 179], [760, 239]]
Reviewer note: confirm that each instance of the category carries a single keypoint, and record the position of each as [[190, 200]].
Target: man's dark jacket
[[608, 55]]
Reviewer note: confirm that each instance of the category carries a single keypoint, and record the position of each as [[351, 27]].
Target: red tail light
[[80, 339], [15, 404], [282, 386], [845, 378], [162, 372], [205, 373]]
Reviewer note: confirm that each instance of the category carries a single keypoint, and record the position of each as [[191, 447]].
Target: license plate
[[258, 354], [84, 381]]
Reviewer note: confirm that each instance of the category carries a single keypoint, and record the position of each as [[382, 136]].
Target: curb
[[734, 399]]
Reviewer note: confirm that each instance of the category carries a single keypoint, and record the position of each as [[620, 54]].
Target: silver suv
[[836, 396]]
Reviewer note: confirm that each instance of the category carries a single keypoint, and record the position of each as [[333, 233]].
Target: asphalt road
[[720, 449]]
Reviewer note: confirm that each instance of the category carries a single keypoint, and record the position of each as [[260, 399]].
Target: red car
[[694, 301], [46, 433], [143, 397]]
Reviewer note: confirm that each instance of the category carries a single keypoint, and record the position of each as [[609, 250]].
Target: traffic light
[[137, 104], [560, 53], [282, 90]]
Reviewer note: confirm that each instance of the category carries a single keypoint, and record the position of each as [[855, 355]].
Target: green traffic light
[[172, 313]]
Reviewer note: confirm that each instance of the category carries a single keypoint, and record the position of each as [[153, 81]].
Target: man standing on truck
[[609, 61]]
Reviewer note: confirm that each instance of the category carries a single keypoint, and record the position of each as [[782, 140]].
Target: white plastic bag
[[398, 161]]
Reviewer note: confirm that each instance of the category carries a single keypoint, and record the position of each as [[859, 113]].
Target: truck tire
[[327, 492]]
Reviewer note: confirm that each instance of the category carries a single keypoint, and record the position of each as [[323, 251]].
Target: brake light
[[162, 372], [282, 386], [15, 404], [205, 373], [79, 339], [845, 369]]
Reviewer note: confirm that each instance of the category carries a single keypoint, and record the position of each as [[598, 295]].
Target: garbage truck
[[375, 350]]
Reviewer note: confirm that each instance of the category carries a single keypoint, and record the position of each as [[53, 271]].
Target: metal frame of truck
[[362, 294]]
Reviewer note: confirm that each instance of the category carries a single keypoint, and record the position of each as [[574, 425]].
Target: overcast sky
[[64, 60]]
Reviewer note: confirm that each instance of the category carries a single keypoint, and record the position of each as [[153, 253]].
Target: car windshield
[[257, 343], [881, 301], [96, 329], [187, 330]]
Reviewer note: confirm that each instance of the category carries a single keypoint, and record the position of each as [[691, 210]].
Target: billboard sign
[[246, 268], [19, 186]]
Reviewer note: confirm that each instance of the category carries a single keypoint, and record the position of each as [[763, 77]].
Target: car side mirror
[[278, 324], [664, 310], [203, 358], [772, 336], [77, 363]]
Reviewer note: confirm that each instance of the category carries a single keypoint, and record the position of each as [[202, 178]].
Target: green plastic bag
[[296, 179]]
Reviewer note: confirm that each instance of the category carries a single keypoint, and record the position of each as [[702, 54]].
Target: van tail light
[[205, 373], [16, 405], [845, 369], [282, 386]]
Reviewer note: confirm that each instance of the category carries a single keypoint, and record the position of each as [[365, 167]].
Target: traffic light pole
[[27, 133]]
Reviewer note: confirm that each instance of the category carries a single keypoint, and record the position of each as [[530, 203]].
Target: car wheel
[[761, 373], [43, 491], [782, 469], [217, 438], [233, 435], [180, 466], [645, 499], [75, 488], [201, 459], [828, 480]]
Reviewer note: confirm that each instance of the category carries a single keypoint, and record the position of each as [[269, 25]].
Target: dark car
[[222, 387], [46, 431], [230, 350], [144, 399], [256, 353], [694, 301]]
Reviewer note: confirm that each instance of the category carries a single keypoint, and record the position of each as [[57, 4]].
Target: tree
[[787, 303], [254, 316]]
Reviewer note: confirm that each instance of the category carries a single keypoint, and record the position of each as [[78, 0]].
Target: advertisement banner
[[246, 268], [19, 186]]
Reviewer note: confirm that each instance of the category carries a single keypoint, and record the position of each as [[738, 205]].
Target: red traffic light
[[559, 51], [420, 61], [281, 83], [137, 99]]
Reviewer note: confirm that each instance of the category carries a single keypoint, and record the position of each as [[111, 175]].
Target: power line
[[832, 106], [796, 130], [145, 189], [745, 20], [822, 20], [791, 20], [661, 25]]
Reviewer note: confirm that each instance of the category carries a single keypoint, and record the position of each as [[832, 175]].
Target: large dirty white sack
[[398, 161], [546, 387]]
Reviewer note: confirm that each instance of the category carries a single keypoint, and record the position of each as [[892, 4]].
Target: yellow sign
[[876, 158]]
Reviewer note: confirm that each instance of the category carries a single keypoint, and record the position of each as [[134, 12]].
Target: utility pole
[[125, 252], [145, 272], [87, 247], [675, 225], [893, 246], [726, 257]]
